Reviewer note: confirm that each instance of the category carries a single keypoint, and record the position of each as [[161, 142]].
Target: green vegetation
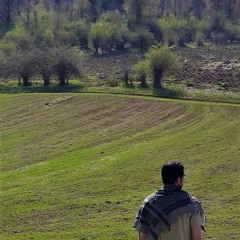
[[63, 63], [77, 159], [77, 166], [54, 23], [32, 31], [158, 60], [142, 89]]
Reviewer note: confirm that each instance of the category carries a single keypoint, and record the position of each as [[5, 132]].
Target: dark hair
[[171, 171]]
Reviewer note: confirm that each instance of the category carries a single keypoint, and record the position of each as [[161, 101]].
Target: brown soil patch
[[213, 67]]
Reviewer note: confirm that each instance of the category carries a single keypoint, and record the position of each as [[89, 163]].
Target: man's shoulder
[[195, 201], [149, 198]]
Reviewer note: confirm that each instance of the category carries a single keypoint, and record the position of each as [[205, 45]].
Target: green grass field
[[78, 166]]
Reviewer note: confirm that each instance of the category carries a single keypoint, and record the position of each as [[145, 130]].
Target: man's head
[[173, 173]]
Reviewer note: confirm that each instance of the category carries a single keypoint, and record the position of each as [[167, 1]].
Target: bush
[[48, 37], [20, 37], [79, 33], [21, 65], [199, 39], [66, 63], [101, 35], [155, 29], [143, 39], [141, 70], [232, 32], [176, 30], [160, 60], [218, 37], [203, 28], [7, 50], [217, 21], [44, 65], [109, 31], [126, 37]]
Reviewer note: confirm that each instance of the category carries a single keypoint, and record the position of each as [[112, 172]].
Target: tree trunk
[[96, 50], [62, 81], [143, 81], [157, 77], [46, 80], [126, 78], [139, 11], [25, 81], [161, 8], [8, 14]]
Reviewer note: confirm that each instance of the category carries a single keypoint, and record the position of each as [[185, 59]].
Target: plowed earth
[[213, 67]]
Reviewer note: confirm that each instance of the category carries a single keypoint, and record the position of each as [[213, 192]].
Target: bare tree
[[21, 65], [66, 63], [44, 65]]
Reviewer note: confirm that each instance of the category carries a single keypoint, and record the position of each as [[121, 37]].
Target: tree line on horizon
[[48, 26], [92, 9]]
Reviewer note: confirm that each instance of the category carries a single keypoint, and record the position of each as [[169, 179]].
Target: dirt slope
[[213, 67]]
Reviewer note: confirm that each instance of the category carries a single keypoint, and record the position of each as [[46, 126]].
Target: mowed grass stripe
[[80, 167]]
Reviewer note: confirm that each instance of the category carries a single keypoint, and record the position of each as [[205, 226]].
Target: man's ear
[[178, 181]]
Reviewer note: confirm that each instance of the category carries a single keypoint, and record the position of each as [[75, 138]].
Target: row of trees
[[43, 28], [58, 63], [64, 63], [36, 35], [54, 20], [135, 9]]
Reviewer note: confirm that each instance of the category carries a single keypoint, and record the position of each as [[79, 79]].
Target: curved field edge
[[169, 91], [77, 166]]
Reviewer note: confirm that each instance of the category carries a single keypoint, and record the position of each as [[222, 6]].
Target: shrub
[[7, 50], [141, 69], [48, 37], [200, 39], [155, 29], [176, 30], [232, 32], [218, 37], [44, 65], [160, 59], [217, 21], [203, 27], [143, 39], [21, 65], [100, 35], [126, 37], [79, 33], [66, 63], [20, 37]]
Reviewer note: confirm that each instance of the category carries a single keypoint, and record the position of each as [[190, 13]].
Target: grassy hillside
[[77, 166]]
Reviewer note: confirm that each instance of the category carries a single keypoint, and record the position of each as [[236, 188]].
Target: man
[[170, 213]]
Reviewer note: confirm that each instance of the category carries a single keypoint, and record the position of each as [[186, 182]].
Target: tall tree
[[135, 9], [94, 10], [198, 8], [159, 60], [161, 8], [7, 7], [66, 63], [229, 9]]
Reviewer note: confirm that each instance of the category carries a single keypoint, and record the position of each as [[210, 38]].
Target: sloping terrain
[[77, 166], [212, 68]]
